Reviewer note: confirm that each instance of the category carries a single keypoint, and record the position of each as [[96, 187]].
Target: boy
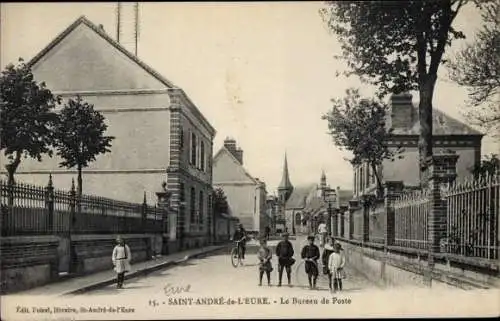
[[264, 255], [310, 253], [284, 252], [336, 263]]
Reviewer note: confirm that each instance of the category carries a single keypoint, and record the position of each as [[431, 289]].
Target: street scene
[[171, 159]]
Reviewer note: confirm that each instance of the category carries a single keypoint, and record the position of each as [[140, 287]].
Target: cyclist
[[322, 231], [241, 235], [310, 253]]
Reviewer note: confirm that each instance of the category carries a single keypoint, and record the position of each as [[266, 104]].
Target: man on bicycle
[[240, 235]]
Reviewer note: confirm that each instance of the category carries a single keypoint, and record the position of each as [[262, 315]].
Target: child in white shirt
[[336, 263]]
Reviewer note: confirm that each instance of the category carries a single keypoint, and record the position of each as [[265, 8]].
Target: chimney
[[239, 155], [401, 111], [127, 21], [230, 144]]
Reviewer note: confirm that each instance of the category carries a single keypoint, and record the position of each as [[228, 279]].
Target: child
[[284, 252], [265, 255], [336, 264], [121, 260], [328, 250], [311, 254]]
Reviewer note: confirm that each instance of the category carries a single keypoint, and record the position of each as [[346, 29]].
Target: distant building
[[245, 194], [448, 134], [160, 134], [301, 208]]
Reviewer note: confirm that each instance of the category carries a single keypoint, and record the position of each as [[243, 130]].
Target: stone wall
[[28, 262], [392, 269], [31, 261], [93, 252]]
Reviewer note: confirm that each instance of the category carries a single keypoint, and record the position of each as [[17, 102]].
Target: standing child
[[121, 260], [327, 251], [310, 253], [284, 252], [336, 264], [265, 255]]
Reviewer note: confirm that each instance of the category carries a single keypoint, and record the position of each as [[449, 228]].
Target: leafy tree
[[489, 166], [397, 46], [26, 116], [80, 136], [359, 125], [477, 66], [220, 202]]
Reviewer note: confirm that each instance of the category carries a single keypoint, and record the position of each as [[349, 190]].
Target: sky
[[261, 73]]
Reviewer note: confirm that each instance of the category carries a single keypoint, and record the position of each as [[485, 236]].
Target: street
[[214, 276]]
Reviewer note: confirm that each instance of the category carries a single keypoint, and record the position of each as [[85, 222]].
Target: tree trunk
[[380, 188], [12, 167], [425, 116], [79, 181]]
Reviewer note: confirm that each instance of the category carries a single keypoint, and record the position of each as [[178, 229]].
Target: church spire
[[285, 188], [323, 179]]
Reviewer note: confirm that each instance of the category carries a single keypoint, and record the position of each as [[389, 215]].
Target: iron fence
[[473, 208], [411, 212], [28, 209]]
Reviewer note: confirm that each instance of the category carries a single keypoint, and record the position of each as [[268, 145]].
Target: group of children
[[333, 260]]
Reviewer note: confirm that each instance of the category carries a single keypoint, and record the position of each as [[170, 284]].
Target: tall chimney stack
[[127, 25]]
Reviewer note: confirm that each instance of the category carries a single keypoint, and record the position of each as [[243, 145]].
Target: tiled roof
[[102, 33], [299, 195], [442, 124]]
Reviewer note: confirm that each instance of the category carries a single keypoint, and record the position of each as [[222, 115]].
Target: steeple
[[285, 188], [323, 180]]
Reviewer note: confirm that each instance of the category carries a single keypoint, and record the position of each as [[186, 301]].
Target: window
[[182, 194], [200, 212], [181, 138], [209, 205], [193, 205], [202, 156], [193, 149], [355, 181], [367, 174], [361, 179]]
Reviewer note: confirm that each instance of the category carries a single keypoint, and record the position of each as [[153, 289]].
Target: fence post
[[144, 210], [366, 218], [391, 191], [49, 205], [353, 205], [164, 207], [442, 170]]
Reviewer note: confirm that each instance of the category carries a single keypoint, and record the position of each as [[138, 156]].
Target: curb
[[142, 272]]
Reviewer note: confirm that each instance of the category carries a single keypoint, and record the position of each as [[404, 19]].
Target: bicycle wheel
[[302, 280], [235, 259]]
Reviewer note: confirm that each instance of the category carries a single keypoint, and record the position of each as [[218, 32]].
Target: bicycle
[[301, 278], [236, 258]]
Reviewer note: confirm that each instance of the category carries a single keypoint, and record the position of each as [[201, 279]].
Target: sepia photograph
[[249, 160]]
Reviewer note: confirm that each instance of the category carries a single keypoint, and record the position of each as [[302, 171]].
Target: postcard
[[250, 160]]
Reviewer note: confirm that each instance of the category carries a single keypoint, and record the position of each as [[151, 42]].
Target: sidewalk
[[96, 280]]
